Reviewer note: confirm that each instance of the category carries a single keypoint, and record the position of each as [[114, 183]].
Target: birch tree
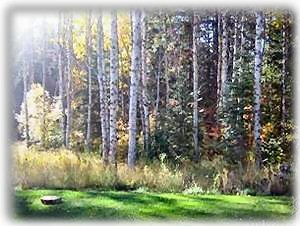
[[224, 54], [135, 60], [223, 66], [69, 80], [44, 82], [114, 74], [284, 72], [25, 71], [61, 77], [259, 49], [219, 70], [89, 73], [145, 99], [195, 90], [102, 91]]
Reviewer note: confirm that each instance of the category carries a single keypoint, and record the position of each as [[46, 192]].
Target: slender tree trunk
[[69, 81], [195, 90], [102, 91], [145, 100], [241, 55], [25, 71], [219, 59], [167, 79], [158, 74], [284, 73], [31, 71], [235, 48], [61, 79], [114, 74], [224, 70], [135, 60], [89, 85], [44, 83], [166, 61], [259, 49]]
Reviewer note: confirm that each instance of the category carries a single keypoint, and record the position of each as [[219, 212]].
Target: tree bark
[[69, 81], [242, 53], [135, 60], [145, 99], [114, 74], [219, 73], [44, 83], [61, 78], [25, 71], [158, 75], [102, 92], [224, 70], [195, 90], [89, 85], [235, 48], [284, 73], [259, 49]]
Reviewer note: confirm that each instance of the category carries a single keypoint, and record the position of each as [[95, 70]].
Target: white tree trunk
[[259, 47], [69, 81], [195, 90], [224, 70], [114, 74], [135, 60], [89, 72], [102, 91], [219, 58], [158, 75], [25, 71], [145, 99], [241, 55], [61, 79], [235, 48], [44, 83], [284, 73]]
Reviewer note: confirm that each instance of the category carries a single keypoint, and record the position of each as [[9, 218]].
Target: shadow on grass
[[129, 205]]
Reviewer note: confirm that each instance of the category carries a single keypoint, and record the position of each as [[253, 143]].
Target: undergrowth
[[64, 169]]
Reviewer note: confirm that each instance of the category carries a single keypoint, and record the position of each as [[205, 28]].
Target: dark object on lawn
[[51, 200]]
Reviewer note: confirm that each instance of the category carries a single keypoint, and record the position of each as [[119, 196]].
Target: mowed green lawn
[[111, 205]]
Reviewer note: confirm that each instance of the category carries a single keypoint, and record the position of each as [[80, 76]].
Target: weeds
[[66, 169]]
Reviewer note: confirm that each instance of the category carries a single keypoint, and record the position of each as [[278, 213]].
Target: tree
[[25, 81], [60, 44], [69, 80], [135, 60], [89, 73], [224, 70], [102, 92], [284, 72], [44, 52], [114, 74], [259, 47], [145, 98], [195, 90]]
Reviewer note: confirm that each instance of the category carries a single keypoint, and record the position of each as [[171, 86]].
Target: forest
[[140, 105]]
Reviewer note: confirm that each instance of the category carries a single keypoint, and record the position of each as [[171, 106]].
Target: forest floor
[[110, 205]]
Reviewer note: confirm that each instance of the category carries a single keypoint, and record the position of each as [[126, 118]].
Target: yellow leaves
[[152, 121], [266, 130]]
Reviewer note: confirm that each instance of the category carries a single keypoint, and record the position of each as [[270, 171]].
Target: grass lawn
[[148, 206]]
